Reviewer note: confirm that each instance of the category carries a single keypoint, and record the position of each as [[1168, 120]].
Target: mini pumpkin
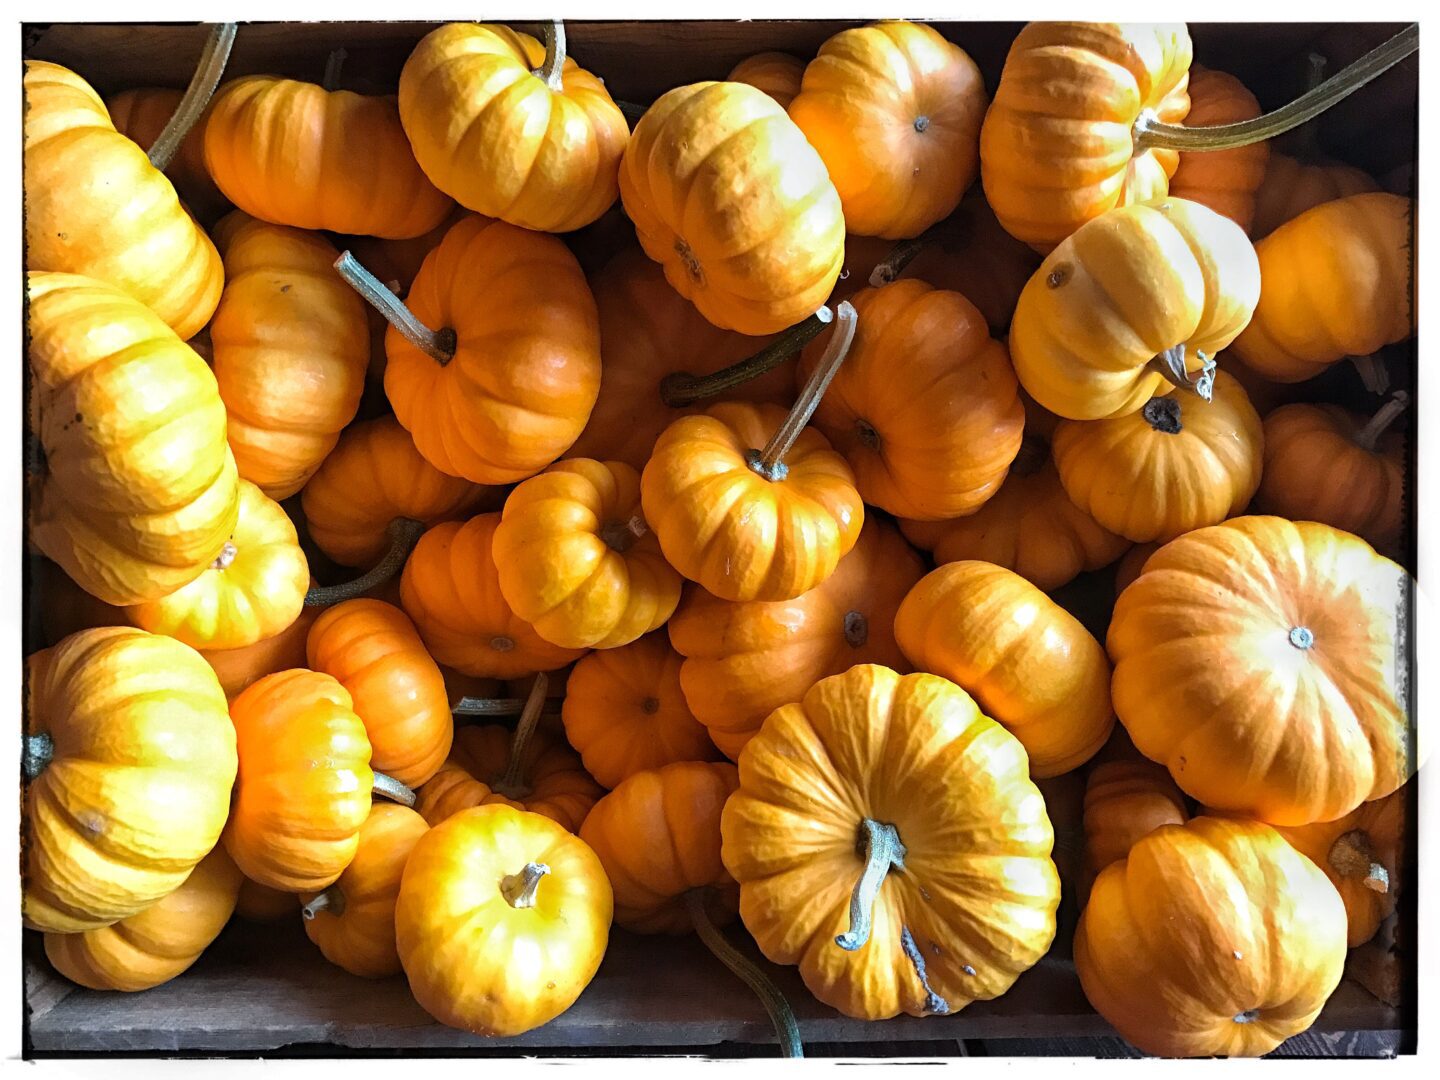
[[778, 74], [1126, 799], [141, 115], [1224, 180], [1292, 186], [238, 668], [1130, 565]]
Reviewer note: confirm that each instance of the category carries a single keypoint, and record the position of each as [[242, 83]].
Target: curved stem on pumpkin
[[439, 345], [392, 789], [901, 255], [781, 1015], [680, 388], [770, 462], [197, 95], [1369, 435], [552, 69], [35, 753], [1171, 364], [1351, 856], [331, 900], [404, 534], [505, 706], [529, 717], [519, 889], [1373, 373], [226, 557], [1154, 134], [883, 850], [333, 63]]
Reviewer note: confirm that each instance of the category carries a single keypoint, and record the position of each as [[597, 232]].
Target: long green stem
[[553, 68], [883, 850], [680, 388], [393, 790], [197, 95], [505, 706], [404, 534], [1369, 435], [1151, 133], [510, 779], [781, 1015], [439, 345]]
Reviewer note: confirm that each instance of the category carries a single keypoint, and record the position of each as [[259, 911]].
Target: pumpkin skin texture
[[576, 559], [1338, 281], [450, 587], [1211, 938], [356, 930], [1316, 470], [526, 369], [551, 783], [1178, 464], [158, 943], [1125, 800], [625, 712], [1224, 180], [499, 140], [303, 789], [474, 960], [1256, 660], [139, 494], [894, 111], [648, 331], [926, 408], [776, 73], [260, 903], [95, 206], [914, 752], [658, 836], [137, 783], [1079, 343], [1056, 149], [728, 196], [373, 476], [373, 650], [294, 153], [290, 351], [253, 591], [1027, 661], [743, 661], [141, 115], [740, 535], [1291, 187]]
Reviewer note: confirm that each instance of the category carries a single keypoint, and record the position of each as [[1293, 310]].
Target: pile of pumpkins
[[670, 511]]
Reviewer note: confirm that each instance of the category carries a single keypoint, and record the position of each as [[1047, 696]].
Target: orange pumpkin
[[1130, 565], [744, 660], [1027, 661], [625, 712], [1224, 180], [1125, 800], [294, 153], [470, 98], [761, 239], [925, 408], [1058, 147], [1287, 707], [451, 589], [290, 351], [353, 920], [141, 115], [238, 668], [260, 903], [894, 111], [1291, 187], [776, 73], [373, 650], [1178, 464]]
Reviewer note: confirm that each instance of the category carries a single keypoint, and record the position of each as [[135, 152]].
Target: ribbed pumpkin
[[353, 920], [1057, 147], [1125, 801], [1211, 938], [253, 590], [894, 111], [777, 73], [1027, 661], [94, 205], [138, 492], [141, 115], [129, 758], [451, 589], [625, 711], [158, 943], [1292, 186], [1259, 661], [744, 660], [1338, 281], [294, 153], [728, 197], [1134, 300], [1178, 464], [290, 350], [1224, 180], [373, 650], [510, 131], [925, 408], [887, 770]]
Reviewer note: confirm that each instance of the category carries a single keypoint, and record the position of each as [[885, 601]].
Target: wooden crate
[[266, 989]]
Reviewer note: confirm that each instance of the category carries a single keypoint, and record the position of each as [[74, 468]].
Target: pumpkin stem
[[1163, 414], [553, 68], [883, 850], [197, 95], [529, 717], [935, 1005], [226, 556], [1352, 856], [901, 255], [477, 706], [680, 388], [781, 1015], [1373, 373], [621, 535], [519, 889], [1171, 364], [35, 753], [1369, 435], [393, 790], [1307, 139], [404, 534], [1151, 133], [331, 900], [333, 63], [439, 345], [770, 462], [857, 629]]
